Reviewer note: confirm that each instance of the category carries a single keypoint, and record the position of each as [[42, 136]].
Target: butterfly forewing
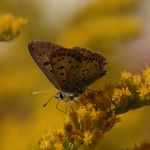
[[41, 52]]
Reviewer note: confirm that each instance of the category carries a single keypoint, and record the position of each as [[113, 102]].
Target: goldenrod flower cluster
[[98, 113], [10, 26], [84, 127]]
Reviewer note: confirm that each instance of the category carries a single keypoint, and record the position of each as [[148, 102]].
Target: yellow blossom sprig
[[133, 91], [98, 113], [10, 26]]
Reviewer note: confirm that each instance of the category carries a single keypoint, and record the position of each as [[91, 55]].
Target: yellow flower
[[144, 91], [82, 111], [96, 115], [126, 75], [68, 124], [119, 93], [85, 110], [53, 136], [89, 106], [58, 146], [60, 130], [10, 26], [45, 141], [44, 145], [137, 79], [87, 137], [18, 24], [146, 74], [67, 119]]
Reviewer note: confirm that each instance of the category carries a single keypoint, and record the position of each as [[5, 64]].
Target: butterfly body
[[69, 70]]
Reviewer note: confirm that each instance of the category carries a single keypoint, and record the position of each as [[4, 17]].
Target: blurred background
[[120, 29]]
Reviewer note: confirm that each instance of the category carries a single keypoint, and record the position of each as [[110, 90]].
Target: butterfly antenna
[[38, 92], [48, 101]]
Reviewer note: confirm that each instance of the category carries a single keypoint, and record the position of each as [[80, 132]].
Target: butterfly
[[70, 70]]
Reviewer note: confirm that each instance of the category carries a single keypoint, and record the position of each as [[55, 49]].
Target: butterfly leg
[[58, 107], [67, 105]]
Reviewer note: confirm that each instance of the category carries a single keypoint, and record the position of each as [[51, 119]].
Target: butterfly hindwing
[[87, 70], [75, 70]]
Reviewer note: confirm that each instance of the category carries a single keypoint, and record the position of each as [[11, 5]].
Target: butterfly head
[[66, 96], [60, 96]]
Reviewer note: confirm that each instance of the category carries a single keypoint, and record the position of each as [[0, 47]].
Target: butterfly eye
[[61, 95]]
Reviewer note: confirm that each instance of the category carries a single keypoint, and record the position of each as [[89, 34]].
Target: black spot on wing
[[62, 74], [46, 63], [61, 67]]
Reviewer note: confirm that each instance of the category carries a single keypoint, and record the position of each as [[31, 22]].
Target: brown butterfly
[[70, 70]]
